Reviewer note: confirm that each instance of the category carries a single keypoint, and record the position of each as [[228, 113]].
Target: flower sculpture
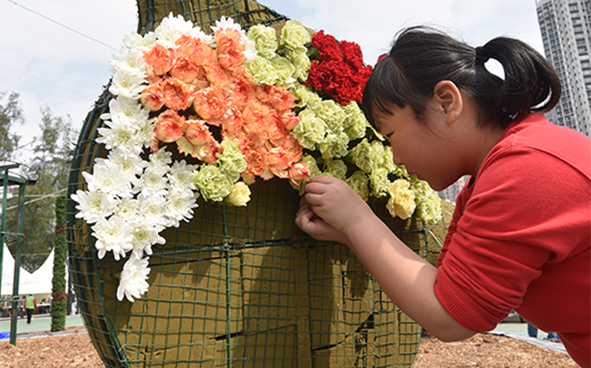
[[238, 106]]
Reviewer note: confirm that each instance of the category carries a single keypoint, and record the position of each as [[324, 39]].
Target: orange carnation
[[177, 94], [159, 60], [185, 71], [230, 49], [299, 172], [199, 142], [279, 97], [196, 51], [169, 126], [153, 97], [210, 104]]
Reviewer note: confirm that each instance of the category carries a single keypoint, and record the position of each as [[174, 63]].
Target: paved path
[[519, 331], [38, 323]]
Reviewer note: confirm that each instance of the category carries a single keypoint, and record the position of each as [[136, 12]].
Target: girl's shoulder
[[537, 136]]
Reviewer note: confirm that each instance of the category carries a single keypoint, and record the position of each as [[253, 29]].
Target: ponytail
[[422, 57], [530, 83]]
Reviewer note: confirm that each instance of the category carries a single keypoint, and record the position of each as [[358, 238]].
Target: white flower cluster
[[129, 201]]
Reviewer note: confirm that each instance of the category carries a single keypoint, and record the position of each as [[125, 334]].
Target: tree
[[59, 296], [10, 113], [51, 152]]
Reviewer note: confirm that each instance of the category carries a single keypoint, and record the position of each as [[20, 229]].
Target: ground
[[484, 350]]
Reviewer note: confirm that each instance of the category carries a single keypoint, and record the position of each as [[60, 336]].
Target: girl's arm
[[331, 210]]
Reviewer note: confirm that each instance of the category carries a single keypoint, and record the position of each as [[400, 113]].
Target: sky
[[56, 53]]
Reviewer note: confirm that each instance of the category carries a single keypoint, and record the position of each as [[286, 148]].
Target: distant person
[[532, 331], [30, 305], [520, 233]]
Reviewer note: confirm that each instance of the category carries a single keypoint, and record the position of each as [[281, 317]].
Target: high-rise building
[[566, 34]]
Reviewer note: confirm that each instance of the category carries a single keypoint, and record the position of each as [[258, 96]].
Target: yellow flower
[[240, 194], [402, 199]]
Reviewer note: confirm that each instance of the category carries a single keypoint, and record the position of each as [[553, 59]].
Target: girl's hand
[[329, 208]]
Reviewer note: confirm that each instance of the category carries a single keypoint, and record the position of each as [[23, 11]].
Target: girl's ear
[[448, 98]]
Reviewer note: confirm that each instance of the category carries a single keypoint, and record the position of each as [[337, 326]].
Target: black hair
[[421, 57]]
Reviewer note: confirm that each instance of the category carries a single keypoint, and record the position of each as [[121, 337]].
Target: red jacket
[[520, 237]]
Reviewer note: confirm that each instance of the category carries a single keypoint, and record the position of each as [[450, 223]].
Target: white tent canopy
[[36, 283]]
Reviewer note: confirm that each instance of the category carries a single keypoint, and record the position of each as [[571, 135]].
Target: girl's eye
[[388, 135]]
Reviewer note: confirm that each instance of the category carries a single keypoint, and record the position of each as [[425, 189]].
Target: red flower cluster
[[339, 71]]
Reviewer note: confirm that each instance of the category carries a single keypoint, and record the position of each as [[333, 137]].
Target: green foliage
[[50, 164], [10, 113], [58, 314]]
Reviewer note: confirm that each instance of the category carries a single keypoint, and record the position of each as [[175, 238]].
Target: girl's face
[[427, 150]]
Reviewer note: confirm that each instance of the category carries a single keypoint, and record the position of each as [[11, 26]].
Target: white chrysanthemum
[[160, 158], [226, 23], [110, 179], [93, 206], [180, 175], [152, 183], [131, 164], [133, 282], [136, 41], [120, 136], [131, 60], [128, 208], [171, 29], [179, 207], [152, 208], [145, 234], [145, 132], [127, 83], [113, 235], [127, 111], [197, 33]]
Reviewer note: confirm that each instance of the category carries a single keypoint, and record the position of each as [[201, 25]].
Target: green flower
[[265, 40], [421, 189], [355, 123], [212, 183], [284, 69], [231, 161], [294, 36], [262, 70], [306, 97], [429, 210], [379, 182], [337, 169], [301, 62], [335, 144], [362, 157], [359, 182], [310, 131], [332, 114], [389, 164]]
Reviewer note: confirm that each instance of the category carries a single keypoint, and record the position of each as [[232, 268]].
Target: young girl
[[520, 234]]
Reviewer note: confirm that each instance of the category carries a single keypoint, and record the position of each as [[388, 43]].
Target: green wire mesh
[[238, 287]]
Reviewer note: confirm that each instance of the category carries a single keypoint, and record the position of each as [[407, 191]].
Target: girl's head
[[422, 57]]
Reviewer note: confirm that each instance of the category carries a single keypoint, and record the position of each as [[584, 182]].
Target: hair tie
[[481, 54]]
